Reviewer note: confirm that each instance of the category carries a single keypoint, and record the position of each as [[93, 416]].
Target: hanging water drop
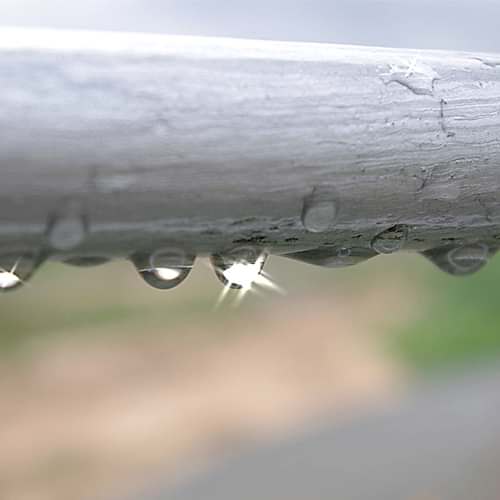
[[319, 210], [239, 268], [344, 253], [460, 260], [391, 240], [87, 261], [333, 257], [9, 279], [67, 228], [164, 269], [17, 268]]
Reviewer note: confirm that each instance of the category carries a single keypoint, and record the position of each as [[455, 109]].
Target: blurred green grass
[[460, 323]]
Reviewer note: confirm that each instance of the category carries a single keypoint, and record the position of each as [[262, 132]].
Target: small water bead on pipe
[[391, 240], [414, 75], [164, 269], [240, 267], [460, 260], [320, 209], [68, 227]]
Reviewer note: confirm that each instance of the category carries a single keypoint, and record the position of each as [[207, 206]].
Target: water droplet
[[344, 252], [320, 210], [87, 261], [9, 280], [332, 257], [164, 269], [391, 240], [459, 260], [239, 268], [68, 228], [16, 269], [414, 75]]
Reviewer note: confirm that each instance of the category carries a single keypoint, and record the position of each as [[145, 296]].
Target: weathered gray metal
[[118, 144]]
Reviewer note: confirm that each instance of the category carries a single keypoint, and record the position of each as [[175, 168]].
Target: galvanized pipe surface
[[113, 144]]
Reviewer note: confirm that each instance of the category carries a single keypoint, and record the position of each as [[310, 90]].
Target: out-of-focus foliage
[[460, 322]]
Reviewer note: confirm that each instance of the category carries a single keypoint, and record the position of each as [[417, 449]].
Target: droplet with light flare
[[242, 269], [14, 272], [9, 280]]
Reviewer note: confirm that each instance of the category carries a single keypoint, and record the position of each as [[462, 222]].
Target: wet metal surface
[[113, 145]]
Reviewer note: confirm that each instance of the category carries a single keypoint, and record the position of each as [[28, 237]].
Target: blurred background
[[108, 386]]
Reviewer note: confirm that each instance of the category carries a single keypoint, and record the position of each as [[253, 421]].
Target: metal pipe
[[113, 144]]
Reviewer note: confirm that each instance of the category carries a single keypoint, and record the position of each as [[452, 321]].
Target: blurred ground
[[106, 384], [442, 442]]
